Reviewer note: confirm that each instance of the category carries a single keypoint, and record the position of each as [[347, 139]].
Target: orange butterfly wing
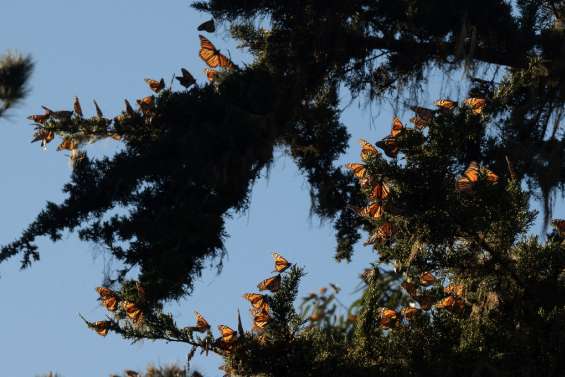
[[257, 300], [102, 327], [281, 264], [476, 104], [427, 278], [228, 335], [468, 180], [559, 224], [359, 170], [155, 85], [446, 104], [132, 311], [380, 191], [368, 150], [397, 127], [272, 284], [201, 324]]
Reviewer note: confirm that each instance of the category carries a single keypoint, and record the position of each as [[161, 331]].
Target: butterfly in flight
[[186, 79], [211, 56], [208, 26]]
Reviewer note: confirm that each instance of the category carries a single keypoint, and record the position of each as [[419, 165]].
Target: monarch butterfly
[[367, 150], [155, 85], [426, 301], [359, 170], [186, 79], [131, 373], [446, 104], [397, 127], [455, 289], [470, 177], [490, 176], [427, 278], [451, 303], [423, 117], [132, 311], [211, 55], [208, 26], [381, 234], [387, 317], [228, 335], [373, 211], [102, 327], [43, 135], [41, 119], [63, 114], [476, 104], [108, 298], [257, 300], [380, 191], [409, 312], [146, 103], [261, 319], [389, 145], [281, 264], [99, 114], [272, 284], [211, 74], [76, 107], [68, 144], [201, 324], [129, 109], [410, 288]]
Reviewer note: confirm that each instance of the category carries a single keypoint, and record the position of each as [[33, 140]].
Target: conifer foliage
[[458, 286]]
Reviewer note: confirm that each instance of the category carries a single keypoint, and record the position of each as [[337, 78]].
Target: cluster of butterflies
[[46, 133], [113, 303], [422, 119], [453, 301], [260, 308], [379, 192], [379, 189], [210, 54]]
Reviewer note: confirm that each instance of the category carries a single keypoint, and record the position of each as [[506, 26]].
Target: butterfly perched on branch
[[470, 177], [281, 264]]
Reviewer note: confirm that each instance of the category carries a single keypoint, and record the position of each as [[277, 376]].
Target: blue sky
[[102, 50]]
